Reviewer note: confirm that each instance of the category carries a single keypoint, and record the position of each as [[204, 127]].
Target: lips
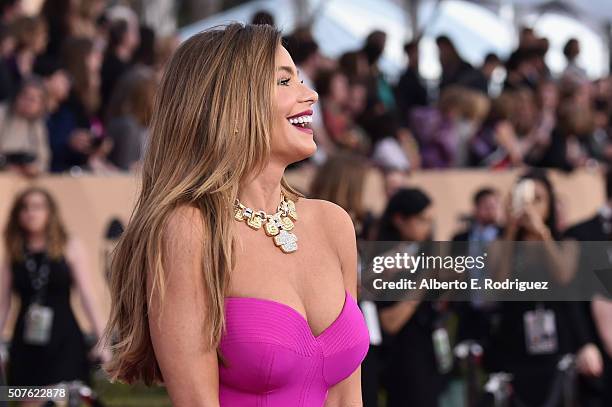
[[301, 121], [304, 113]]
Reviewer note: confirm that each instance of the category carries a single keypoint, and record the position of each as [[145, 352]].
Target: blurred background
[[430, 112]]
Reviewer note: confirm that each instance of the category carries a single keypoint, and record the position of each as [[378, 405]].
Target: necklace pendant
[[286, 223], [277, 226], [286, 241], [254, 222], [292, 214], [271, 228], [238, 215]]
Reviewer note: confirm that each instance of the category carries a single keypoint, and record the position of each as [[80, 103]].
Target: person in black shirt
[[594, 384], [410, 90], [455, 70], [123, 41], [43, 262], [412, 375], [530, 337]]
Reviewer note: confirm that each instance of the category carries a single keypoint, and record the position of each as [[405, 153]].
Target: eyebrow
[[288, 69]]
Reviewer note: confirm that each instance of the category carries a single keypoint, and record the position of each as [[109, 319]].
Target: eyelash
[[285, 82]]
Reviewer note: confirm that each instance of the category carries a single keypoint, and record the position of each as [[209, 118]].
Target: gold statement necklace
[[278, 225]]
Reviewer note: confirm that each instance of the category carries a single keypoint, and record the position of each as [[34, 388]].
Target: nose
[[309, 95]]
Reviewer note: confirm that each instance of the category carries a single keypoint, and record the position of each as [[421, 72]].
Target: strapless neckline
[[295, 312], [273, 359]]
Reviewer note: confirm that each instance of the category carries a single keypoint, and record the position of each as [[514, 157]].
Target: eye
[[284, 81]]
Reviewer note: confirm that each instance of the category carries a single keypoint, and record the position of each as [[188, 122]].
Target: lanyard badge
[[38, 317], [540, 331]]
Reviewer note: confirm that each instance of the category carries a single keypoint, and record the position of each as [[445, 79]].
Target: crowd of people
[[469, 118], [77, 83], [532, 119], [404, 361], [76, 86]]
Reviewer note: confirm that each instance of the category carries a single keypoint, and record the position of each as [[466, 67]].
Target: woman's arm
[[501, 251], [602, 314], [5, 293], [347, 393], [190, 370], [76, 257], [562, 257]]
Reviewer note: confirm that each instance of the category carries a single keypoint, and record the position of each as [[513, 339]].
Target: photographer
[[529, 337]]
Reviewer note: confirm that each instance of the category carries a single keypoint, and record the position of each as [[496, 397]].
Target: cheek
[[22, 218], [544, 210], [283, 102], [282, 109], [408, 230], [40, 217]]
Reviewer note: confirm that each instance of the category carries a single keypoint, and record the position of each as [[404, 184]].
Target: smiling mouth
[[301, 122]]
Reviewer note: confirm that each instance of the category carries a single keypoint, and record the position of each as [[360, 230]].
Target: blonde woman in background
[[341, 181]]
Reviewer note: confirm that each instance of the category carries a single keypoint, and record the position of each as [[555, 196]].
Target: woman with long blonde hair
[[213, 294]]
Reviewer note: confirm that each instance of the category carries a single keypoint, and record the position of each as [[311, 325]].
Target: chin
[[302, 152], [299, 145]]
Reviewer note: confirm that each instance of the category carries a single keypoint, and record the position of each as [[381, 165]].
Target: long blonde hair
[[210, 129]]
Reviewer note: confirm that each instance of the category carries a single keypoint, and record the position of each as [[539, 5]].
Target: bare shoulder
[[183, 234], [333, 216], [184, 223], [339, 230]]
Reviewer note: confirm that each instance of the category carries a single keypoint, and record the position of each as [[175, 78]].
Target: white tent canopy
[[598, 11], [342, 25]]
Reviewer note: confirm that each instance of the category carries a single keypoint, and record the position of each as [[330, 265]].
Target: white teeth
[[301, 119]]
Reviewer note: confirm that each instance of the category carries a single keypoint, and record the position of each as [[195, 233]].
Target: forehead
[[283, 58], [427, 212], [490, 197], [34, 197]]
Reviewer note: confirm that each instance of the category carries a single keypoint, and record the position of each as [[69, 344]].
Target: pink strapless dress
[[274, 360]]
